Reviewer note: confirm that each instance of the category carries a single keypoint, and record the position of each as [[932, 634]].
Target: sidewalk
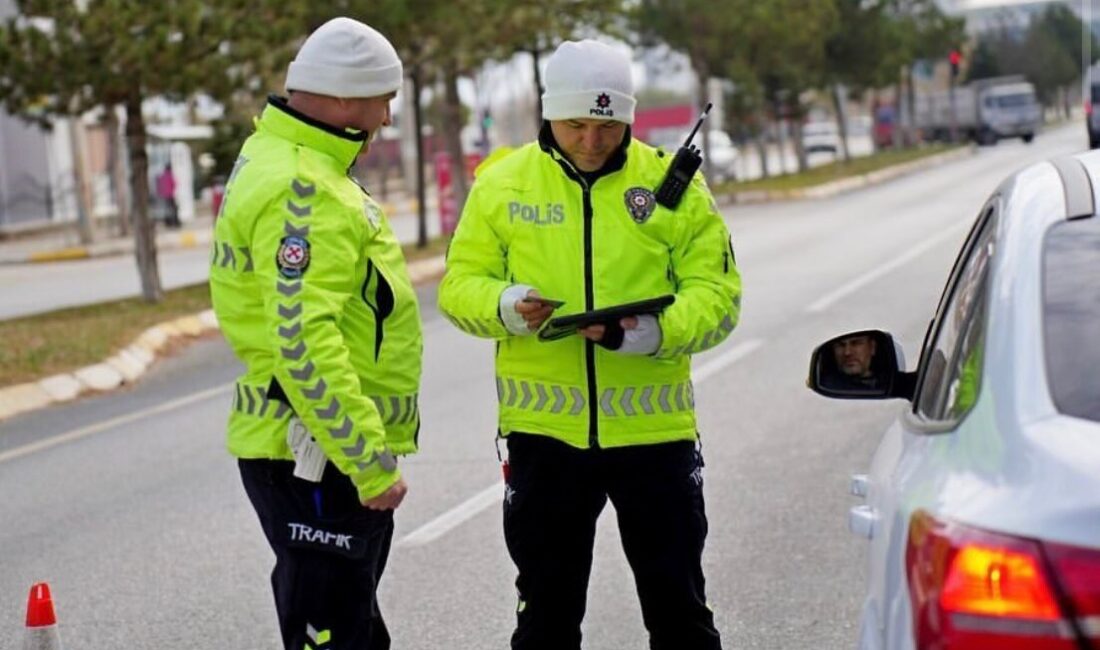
[[54, 243]]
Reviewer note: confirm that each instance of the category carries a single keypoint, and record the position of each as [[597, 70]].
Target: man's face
[[588, 144], [367, 113], [854, 354]]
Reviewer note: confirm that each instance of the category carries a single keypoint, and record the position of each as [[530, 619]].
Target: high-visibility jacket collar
[[617, 161], [284, 122]]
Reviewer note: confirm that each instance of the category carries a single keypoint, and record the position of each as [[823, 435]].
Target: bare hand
[[390, 499], [534, 313], [595, 333]]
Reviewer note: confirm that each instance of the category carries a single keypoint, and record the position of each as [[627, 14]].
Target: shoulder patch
[[293, 257]]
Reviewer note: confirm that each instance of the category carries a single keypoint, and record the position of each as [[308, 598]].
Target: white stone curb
[[130, 363], [125, 367]]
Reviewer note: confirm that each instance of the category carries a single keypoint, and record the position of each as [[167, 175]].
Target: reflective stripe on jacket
[[531, 219], [310, 288]]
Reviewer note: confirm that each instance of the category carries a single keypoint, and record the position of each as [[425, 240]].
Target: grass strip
[[834, 171]]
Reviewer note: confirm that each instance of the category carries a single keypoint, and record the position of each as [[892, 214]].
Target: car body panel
[[1012, 464]]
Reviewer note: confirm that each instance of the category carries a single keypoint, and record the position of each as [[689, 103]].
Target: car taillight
[[973, 589], [1078, 571]]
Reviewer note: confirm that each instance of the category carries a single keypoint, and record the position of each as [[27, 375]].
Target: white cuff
[[643, 339], [512, 319]]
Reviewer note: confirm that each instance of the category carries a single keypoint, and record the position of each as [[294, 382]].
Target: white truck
[[985, 111]]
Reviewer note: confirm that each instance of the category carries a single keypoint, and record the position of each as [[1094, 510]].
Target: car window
[[951, 375], [1071, 316]]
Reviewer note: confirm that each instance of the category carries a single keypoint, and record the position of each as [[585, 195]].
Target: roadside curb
[[827, 190], [128, 364]]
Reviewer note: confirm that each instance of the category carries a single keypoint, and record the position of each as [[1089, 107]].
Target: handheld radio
[[683, 167]]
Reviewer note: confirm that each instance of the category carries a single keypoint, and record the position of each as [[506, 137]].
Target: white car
[[820, 136], [983, 498]]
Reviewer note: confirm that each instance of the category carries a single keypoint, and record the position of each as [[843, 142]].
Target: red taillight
[[972, 589], [1078, 571]]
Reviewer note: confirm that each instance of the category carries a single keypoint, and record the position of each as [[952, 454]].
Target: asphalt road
[[128, 505]]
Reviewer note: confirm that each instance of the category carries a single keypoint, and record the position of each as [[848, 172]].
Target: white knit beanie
[[588, 79], [345, 58]]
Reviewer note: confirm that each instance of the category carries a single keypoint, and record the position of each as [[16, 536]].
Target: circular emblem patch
[[640, 202], [293, 257], [603, 100]]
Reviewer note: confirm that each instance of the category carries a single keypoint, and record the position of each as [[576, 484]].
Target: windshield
[[1013, 101], [1071, 316]]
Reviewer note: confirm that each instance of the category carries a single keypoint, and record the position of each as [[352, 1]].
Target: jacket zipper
[[589, 305]]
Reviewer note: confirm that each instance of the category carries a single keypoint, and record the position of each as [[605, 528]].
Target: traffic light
[[486, 119], [954, 58]]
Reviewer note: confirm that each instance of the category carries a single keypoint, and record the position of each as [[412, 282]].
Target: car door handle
[[858, 485], [861, 521]]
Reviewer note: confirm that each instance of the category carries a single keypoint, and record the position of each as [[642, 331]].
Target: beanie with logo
[[345, 58], [588, 79]]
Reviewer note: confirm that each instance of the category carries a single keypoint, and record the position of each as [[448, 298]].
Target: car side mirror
[[866, 364]]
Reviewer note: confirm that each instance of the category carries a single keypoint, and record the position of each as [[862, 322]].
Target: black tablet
[[563, 326]]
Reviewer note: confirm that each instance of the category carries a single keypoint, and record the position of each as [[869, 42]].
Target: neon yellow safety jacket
[[310, 288], [532, 219]]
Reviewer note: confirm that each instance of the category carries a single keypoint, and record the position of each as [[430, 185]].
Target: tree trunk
[[538, 87], [117, 171], [794, 110], [874, 120], [911, 105], [421, 193], [761, 141], [80, 183], [896, 132], [452, 135], [841, 122], [145, 249], [780, 136]]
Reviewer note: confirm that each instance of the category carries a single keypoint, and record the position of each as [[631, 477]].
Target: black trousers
[[330, 553], [555, 494]]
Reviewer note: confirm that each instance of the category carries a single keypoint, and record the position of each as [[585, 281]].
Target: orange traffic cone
[[41, 620]]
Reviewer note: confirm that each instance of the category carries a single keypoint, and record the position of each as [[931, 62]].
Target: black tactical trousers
[[330, 552], [555, 494]]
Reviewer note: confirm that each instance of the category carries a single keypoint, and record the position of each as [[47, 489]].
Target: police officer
[[608, 414], [311, 290]]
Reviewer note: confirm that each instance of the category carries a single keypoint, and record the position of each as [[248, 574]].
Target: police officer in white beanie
[[608, 413], [311, 290]]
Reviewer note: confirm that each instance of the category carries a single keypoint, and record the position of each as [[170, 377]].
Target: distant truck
[[986, 110]]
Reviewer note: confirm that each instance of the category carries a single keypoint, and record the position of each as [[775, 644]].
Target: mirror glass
[[857, 364]]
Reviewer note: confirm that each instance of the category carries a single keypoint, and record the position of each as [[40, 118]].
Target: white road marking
[[454, 517], [844, 291], [493, 494], [733, 355], [82, 432]]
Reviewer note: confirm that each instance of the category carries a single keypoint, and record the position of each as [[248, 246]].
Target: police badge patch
[[293, 257], [640, 202]]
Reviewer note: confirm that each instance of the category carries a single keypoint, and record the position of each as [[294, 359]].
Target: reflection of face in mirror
[[854, 355]]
